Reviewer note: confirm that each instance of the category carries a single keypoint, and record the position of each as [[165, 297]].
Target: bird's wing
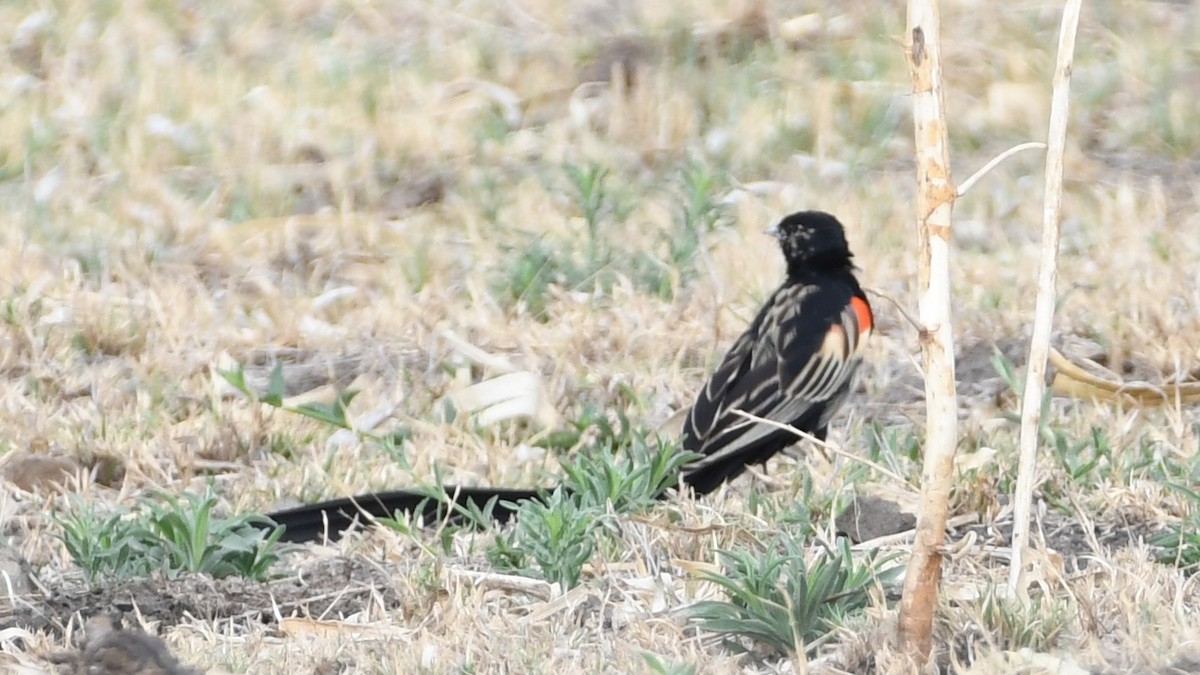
[[800, 353]]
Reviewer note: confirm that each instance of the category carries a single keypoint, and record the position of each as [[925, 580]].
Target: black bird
[[796, 365]]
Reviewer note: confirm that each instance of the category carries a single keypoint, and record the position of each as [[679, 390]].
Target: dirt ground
[[387, 197]]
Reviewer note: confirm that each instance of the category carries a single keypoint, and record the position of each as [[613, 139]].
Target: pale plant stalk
[[1039, 344], [935, 203]]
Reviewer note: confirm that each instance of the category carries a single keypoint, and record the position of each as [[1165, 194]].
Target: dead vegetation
[[375, 196]]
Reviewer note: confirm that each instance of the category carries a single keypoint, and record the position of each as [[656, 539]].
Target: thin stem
[[1043, 319], [970, 182]]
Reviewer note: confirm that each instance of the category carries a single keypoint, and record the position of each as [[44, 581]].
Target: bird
[[794, 366]]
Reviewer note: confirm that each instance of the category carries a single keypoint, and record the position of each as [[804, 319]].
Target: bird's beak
[[773, 230]]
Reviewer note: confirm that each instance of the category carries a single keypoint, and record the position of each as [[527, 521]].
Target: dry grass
[[352, 180]]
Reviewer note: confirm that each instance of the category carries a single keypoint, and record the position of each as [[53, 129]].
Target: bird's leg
[[759, 475], [820, 435]]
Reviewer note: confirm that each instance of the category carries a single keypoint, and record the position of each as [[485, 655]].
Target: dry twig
[[935, 202], [1039, 344]]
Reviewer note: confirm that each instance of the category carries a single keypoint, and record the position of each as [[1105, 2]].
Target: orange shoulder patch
[[862, 311]]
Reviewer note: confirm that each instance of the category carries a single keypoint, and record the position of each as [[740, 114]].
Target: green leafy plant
[[1181, 540], [625, 471], [622, 469], [170, 535], [103, 546], [889, 445], [468, 515], [1081, 460], [531, 271], [1008, 372], [332, 414], [1034, 623], [630, 477], [589, 185], [800, 512], [592, 426], [541, 262], [187, 538], [698, 213], [557, 535], [781, 601]]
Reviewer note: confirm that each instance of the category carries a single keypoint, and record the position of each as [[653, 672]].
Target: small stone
[[32, 472], [870, 517]]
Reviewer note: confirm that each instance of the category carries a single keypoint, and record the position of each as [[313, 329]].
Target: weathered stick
[[935, 202], [1039, 343]]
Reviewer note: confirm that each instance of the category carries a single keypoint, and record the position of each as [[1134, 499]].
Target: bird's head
[[812, 239]]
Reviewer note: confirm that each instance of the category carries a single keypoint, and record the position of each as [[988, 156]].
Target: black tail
[[312, 522], [330, 519]]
